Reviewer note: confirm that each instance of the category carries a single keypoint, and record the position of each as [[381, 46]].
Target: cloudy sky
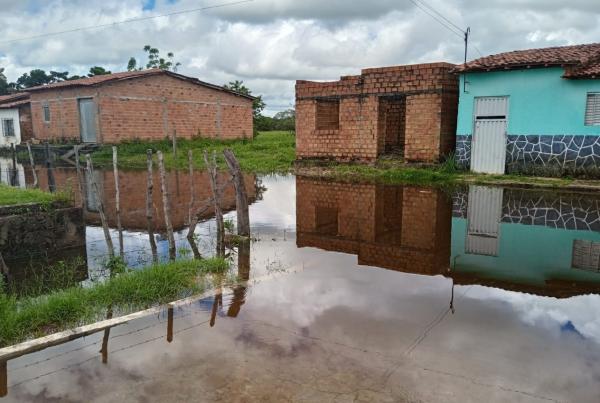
[[271, 43]]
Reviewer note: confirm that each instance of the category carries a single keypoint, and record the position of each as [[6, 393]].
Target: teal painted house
[[522, 110]]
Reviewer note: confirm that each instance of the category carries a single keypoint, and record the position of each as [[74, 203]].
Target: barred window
[[592, 109], [8, 127], [586, 255]]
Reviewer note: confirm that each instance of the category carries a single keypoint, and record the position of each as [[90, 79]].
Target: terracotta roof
[[128, 75], [14, 100], [583, 61]]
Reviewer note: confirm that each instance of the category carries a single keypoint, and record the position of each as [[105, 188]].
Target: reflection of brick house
[[132, 186], [404, 109], [399, 228], [149, 105]]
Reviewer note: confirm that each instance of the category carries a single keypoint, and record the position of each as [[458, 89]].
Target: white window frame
[[595, 118], [4, 131], [46, 116]]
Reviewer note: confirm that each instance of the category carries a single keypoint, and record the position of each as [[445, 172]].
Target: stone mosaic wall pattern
[[535, 153], [573, 212]]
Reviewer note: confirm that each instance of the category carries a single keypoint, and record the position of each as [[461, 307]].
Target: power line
[[126, 21], [441, 16], [448, 27]]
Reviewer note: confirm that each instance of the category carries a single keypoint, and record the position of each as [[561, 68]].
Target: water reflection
[[529, 241]]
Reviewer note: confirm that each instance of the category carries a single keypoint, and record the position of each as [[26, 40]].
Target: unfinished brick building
[[399, 228], [148, 105], [408, 110]]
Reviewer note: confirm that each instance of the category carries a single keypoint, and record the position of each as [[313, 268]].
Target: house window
[[328, 115], [8, 127], [46, 110], [586, 255], [592, 109]]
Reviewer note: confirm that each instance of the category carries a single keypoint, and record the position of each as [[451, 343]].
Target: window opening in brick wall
[[328, 115], [326, 220], [46, 110], [8, 127], [592, 109]]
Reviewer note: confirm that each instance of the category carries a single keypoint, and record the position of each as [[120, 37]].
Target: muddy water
[[365, 292]]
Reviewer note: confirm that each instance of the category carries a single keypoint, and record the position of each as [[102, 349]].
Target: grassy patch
[[267, 153], [10, 196], [33, 316]]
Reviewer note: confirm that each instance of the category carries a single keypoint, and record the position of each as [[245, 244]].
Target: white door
[[87, 120], [484, 213], [488, 149]]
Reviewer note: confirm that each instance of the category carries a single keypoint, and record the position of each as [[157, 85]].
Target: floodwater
[[357, 292]]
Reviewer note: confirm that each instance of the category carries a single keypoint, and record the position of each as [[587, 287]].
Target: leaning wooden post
[[117, 200], [80, 179], [32, 163], [212, 171], [174, 145], [241, 197], [49, 171], [166, 204], [149, 206], [90, 172]]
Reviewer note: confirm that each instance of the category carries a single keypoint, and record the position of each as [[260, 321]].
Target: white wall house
[[10, 129]]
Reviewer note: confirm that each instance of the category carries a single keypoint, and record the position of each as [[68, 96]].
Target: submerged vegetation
[[25, 316], [11, 195], [268, 152]]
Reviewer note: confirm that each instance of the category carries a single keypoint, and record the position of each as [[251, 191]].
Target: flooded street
[[357, 292]]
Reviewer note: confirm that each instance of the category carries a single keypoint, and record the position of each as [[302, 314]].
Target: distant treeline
[[285, 120]]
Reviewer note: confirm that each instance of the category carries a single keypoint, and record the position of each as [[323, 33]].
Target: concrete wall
[[147, 108], [430, 95]]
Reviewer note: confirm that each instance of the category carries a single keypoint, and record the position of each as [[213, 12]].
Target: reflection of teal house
[[536, 242], [522, 110]]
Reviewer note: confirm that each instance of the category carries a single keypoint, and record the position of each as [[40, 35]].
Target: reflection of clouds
[[278, 207], [549, 313]]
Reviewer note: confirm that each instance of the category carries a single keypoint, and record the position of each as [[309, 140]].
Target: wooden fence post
[[241, 197], [174, 146], [170, 323], [212, 170], [32, 163], [13, 174], [192, 190], [149, 206], [3, 378], [80, 179], [49, 171], [90, 171], [166, 204], [117, 200]]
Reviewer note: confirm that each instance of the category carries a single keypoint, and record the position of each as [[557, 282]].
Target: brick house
[[408, 110], [15, 119], [147, 105], [398, 228]]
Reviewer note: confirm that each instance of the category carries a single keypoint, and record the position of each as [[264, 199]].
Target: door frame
[[474, 118]]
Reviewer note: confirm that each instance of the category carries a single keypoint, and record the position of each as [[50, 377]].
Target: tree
[[98, 71], [39, 77], [258, 105], [4, 86], [155, 61]]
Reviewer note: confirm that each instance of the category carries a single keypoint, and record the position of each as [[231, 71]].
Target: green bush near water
[[22, 318], [268, 152]]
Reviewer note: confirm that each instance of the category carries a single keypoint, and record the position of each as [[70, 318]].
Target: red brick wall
[[399, 228], [148, 108], [132, 185], [362, 132], [25, 122]]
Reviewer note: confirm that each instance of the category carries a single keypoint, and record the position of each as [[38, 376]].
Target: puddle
[[363, 292]]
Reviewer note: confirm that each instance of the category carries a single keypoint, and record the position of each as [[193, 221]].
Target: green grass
[[10, 196], [34, 316], [268, 152]]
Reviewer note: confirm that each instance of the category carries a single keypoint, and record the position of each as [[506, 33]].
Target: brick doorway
[[392, 123]]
